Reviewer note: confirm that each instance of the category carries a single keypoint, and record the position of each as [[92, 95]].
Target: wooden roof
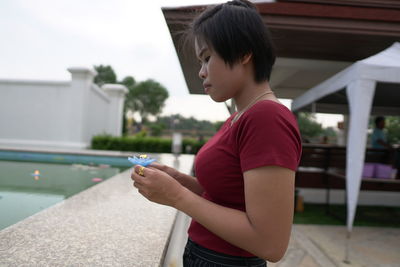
[[314, 39]]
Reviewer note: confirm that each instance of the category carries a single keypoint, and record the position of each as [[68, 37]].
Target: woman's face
[[220, 81]]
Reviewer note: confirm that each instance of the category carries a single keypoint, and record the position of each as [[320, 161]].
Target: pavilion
[[314, 39]]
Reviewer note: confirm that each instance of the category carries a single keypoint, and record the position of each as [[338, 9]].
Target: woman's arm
[[384, 144], [187, 181], [264, 229]]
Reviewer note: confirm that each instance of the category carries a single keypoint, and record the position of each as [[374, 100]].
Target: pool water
[[29, 187]]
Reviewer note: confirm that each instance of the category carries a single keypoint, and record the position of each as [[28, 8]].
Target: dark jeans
[[196, 256]]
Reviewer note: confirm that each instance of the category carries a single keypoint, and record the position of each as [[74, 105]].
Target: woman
[[241, 201]]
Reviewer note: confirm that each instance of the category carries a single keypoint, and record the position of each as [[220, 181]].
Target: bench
[[323, 166]]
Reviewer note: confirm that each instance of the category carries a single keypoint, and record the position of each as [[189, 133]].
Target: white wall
[[97, 114], [58, 114]]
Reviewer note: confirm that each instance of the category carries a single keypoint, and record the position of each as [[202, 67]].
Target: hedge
[[143, 144]]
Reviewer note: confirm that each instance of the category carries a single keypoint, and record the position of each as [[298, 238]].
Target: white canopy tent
[[369, 86]]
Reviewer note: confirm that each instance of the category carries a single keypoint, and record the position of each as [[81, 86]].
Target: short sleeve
[[377, 135], [268, 135], [381, 135]]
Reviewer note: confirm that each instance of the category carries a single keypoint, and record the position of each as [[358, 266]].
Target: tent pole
[[348, 237], [347, 252], [360, 94]]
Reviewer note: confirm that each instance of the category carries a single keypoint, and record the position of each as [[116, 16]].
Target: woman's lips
[[206, 87]]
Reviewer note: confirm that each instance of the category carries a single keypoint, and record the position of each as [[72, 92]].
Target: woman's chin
[[218, 99]]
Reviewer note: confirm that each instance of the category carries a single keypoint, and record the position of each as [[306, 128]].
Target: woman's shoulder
[[270, 109], [269, 104]]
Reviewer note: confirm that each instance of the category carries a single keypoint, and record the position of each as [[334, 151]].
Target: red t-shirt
[[265, 135]]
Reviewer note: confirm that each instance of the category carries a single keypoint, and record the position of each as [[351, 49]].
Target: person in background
[[242, 199], [379, 141], [379, 138], [340, 140]]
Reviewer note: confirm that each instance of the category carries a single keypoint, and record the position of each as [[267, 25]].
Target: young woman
[[241, 200]]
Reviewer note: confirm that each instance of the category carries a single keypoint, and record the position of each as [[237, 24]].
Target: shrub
[[139, 143]]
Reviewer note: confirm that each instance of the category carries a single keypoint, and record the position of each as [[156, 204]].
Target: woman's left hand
[[157, 186]]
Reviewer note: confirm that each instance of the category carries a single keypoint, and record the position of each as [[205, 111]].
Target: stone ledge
[[109, 224]]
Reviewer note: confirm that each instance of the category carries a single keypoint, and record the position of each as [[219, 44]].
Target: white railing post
[[81, 80], [116, 93]]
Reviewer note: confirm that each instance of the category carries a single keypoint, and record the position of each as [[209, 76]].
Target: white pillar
[[81, 80], [116, 93]]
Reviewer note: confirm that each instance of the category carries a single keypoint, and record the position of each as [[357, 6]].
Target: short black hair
[[233, 30], [379, 119]]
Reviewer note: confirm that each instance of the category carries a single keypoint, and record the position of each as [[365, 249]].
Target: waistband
[[222, 258]]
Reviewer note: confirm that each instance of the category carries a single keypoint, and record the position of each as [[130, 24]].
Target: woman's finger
[[139, 188], [158, 166], [137, 183], [155, 165], [141, 170], [138, 178]]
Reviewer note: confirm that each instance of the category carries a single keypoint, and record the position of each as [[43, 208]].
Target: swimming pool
[[29, 187]]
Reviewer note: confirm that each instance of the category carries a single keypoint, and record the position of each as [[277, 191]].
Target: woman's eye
[[205, 60]]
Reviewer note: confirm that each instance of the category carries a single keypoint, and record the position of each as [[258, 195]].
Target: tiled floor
[[313, 245]]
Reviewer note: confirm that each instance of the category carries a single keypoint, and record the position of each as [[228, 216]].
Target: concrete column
[[116, 93], [81, 80]]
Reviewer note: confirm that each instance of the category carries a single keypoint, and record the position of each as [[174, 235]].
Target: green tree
[[218, 125], [105, 74], [129, 82], [308, 125], [156, 128], [183, 123], [329, 131], [393, 129], [147, 98]]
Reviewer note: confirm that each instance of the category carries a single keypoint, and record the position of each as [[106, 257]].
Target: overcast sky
[[40, 39]]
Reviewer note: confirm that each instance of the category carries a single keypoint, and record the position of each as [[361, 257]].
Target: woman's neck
[[253, 93]]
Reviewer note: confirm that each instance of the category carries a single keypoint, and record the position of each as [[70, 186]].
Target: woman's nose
[[202, 72]]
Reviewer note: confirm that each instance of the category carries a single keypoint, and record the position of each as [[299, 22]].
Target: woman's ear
[[246, 58]]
